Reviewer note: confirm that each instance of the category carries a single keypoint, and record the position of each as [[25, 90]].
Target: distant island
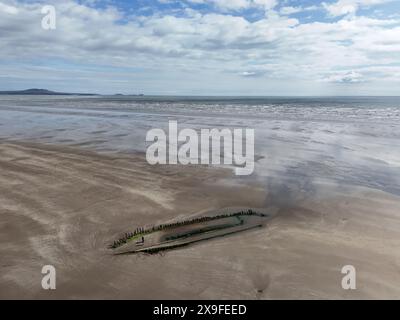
[[43, 92], [128, 95]]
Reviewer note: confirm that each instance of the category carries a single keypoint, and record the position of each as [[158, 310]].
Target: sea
[[301, 143]]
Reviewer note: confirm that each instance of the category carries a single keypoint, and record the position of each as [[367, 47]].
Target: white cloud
[[215, 47], [236, 5], [8, 9], [291, 10], [267, 4], [345, 77], [343, 7]]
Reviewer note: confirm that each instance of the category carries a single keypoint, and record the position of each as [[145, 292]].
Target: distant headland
[[43, 92]]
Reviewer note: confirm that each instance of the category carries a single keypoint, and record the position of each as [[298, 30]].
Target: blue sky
[[149, 7], [203, 47]]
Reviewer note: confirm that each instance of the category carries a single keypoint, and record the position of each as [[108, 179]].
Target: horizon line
[[183, 95]]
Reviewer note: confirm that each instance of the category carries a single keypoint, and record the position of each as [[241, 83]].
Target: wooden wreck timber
[[182, 233]]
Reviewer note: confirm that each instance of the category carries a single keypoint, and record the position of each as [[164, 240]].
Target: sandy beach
[[200, 149], [63, 206]]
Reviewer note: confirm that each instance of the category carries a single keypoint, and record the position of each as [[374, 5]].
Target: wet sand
[[63, 206]]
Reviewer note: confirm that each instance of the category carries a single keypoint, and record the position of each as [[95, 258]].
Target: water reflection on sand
[[299, 141]]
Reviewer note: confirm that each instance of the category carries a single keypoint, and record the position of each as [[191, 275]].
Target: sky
[[203, 47]]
